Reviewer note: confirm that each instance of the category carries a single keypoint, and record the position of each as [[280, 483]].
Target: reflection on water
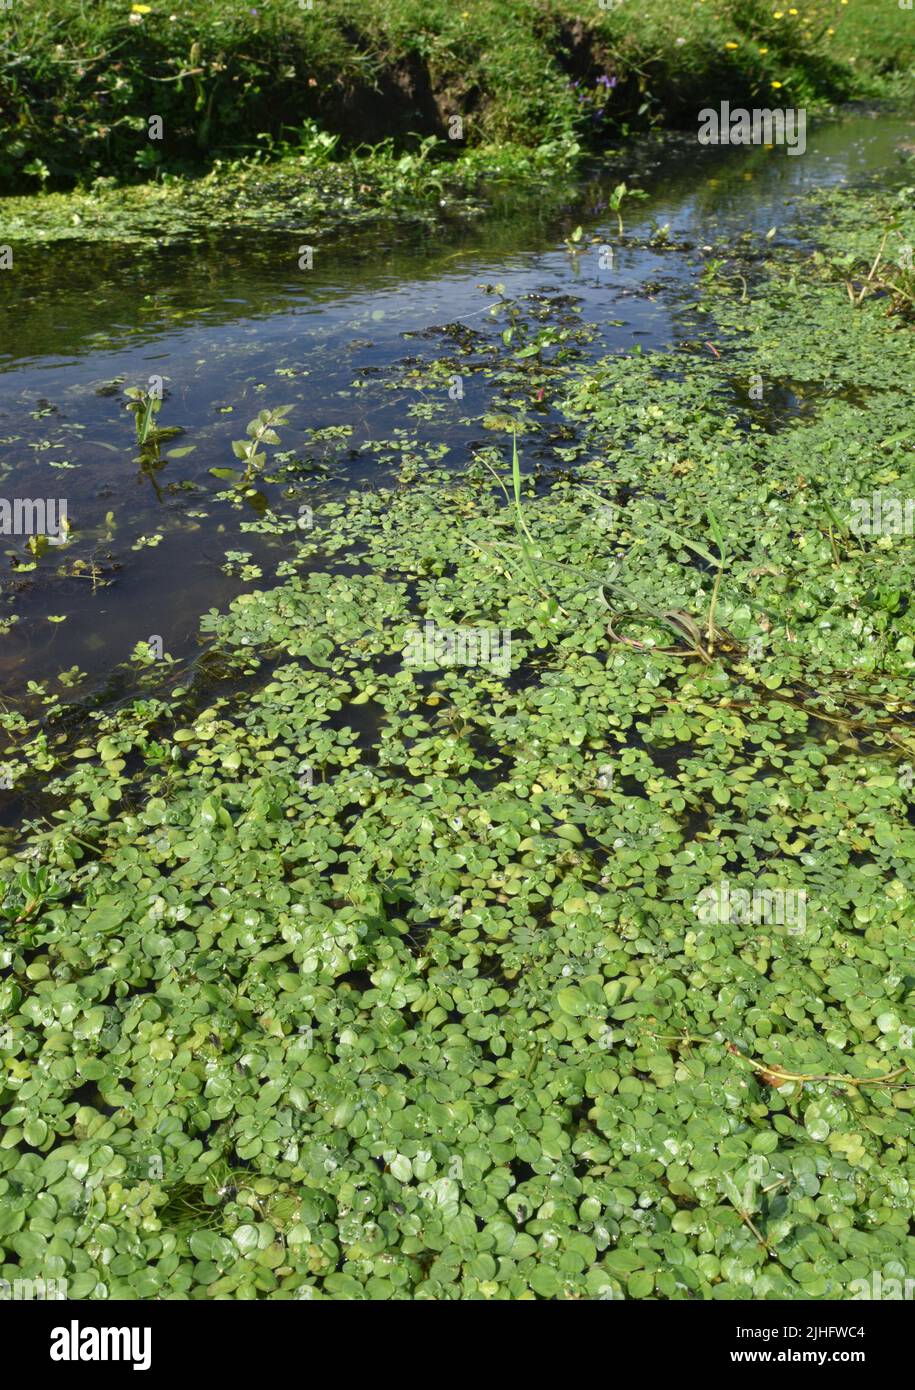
[[236, 326]]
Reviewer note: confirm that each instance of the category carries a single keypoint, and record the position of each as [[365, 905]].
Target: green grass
[[76, 92]]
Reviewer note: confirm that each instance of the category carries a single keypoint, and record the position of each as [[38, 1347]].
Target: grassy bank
[[340, 974], [77, 88]]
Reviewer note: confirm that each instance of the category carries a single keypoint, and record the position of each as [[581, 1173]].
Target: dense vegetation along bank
[[312, 190], [80, 85], [336, 974]]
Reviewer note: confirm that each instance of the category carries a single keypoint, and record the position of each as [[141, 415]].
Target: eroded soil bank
[[79, 88]]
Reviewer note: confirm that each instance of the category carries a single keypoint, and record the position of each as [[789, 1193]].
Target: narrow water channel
[[234, 326]]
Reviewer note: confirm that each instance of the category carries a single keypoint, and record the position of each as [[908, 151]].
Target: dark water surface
[[235, 326]]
